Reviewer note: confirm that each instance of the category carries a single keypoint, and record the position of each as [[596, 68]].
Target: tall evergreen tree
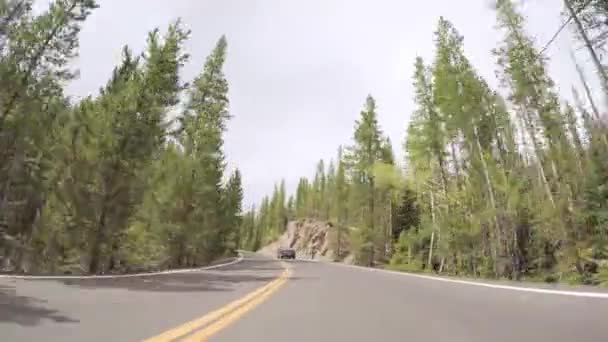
[[233, 202], [204, 123], [365, 152]]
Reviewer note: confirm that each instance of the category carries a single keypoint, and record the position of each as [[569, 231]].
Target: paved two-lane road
[[319, 302]]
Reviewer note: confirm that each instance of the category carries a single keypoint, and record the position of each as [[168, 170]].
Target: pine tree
[[302, 200], [277, 211], [330, 190], [233, 202], [318, 189], [204, 123], [524, 74], [341, 191], [34, 55], [248, 231], [340, 205], [290, 208], [593, 18], [425, 148], [137, 131], [363, 154], [281, 213], [262, 223], [104, 181], [465, 102], [538, 111]]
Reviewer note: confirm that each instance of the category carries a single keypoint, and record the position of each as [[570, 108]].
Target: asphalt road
[[319, 302]]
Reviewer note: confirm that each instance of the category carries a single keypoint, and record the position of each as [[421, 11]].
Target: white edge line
[[474, 283], [237, 260]]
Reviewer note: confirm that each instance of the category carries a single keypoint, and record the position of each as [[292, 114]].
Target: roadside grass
[[572, 279]]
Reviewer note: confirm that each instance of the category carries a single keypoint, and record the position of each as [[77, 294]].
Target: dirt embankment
[[313, 238]]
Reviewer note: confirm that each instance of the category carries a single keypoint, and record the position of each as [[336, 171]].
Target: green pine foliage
[[502, 187], [106, 184]]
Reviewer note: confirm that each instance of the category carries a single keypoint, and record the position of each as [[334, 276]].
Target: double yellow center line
[[203, 327]]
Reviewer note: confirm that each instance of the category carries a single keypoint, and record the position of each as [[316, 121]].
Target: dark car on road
[[286, 253]]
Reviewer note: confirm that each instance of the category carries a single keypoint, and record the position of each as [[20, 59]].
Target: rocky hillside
[[312, 237]]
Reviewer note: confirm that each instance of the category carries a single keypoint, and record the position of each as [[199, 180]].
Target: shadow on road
[[27, 311], [224, 279]]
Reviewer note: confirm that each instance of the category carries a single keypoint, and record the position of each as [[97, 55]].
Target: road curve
[[121, 309], [314, 302]]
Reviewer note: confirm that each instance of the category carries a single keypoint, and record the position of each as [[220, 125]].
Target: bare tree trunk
[[531, 129], [390, 226], [583, 79], [456, 165], [409, 253], [4, 193], [95, 261], [596, 113], [339, 242], [433, 232], [372, 204], [596, 61], [430, 261], [491, 195]]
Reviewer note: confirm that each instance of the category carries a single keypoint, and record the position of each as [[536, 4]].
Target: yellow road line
[[197, 323], [215, 327]]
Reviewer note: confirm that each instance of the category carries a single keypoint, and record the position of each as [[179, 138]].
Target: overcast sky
[[299, 70]]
